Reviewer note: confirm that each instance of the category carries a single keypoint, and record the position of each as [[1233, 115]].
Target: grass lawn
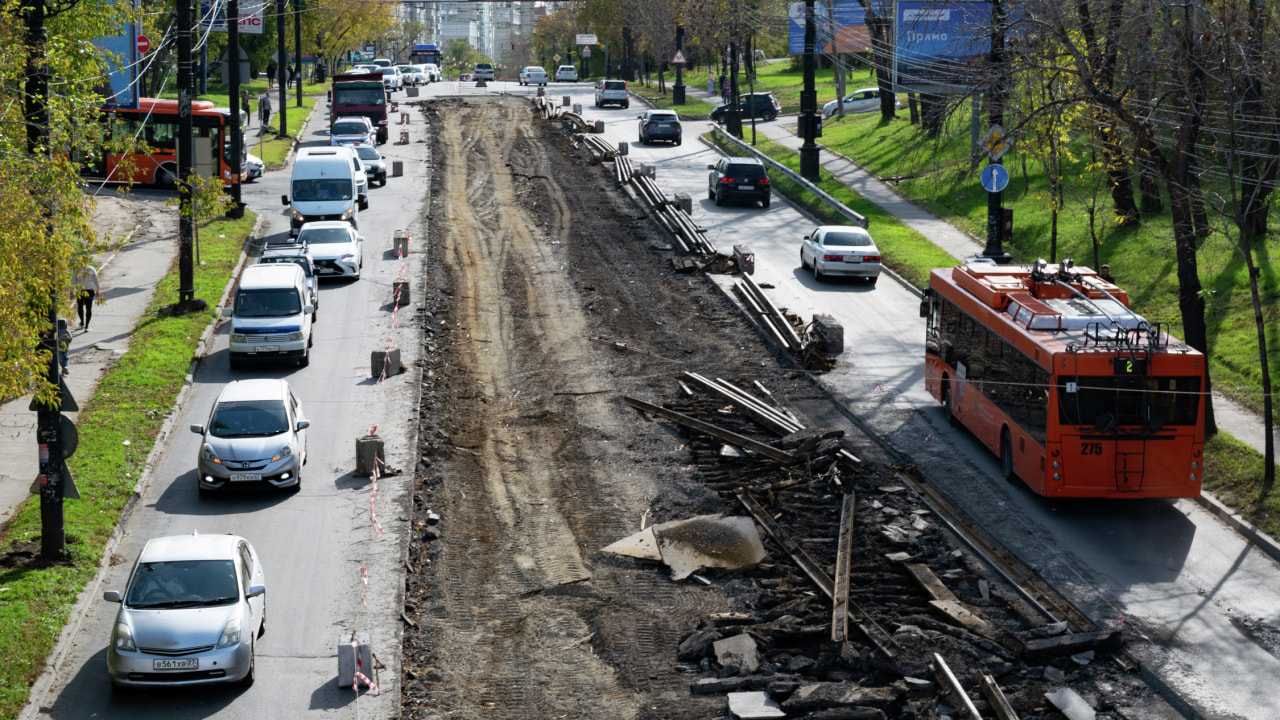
[[938, 176], [118, 426]]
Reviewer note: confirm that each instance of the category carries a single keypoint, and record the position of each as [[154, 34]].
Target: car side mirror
[[284, 199], [255, 591], [302, 425], [308, 309], [197, 429], [711, 167], [112, 596]]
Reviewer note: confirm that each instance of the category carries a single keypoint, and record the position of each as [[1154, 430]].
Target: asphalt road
[[1198, 601], [318, 545]]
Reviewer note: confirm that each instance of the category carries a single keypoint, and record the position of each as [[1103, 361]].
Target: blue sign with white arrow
[[994, 178]]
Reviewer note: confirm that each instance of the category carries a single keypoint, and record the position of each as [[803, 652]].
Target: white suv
[[482, 71], [567, 73]]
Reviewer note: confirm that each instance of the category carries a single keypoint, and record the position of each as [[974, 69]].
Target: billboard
[[940, 46], [213, 16], [120, 86], [839, 25]]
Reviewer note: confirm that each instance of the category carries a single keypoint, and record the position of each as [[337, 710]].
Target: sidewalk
[[1233, 418], [128, 278]]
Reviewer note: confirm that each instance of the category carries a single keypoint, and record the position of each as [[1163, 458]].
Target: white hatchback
[[533, 75], [335, 247], [566, 73], [846, 250]]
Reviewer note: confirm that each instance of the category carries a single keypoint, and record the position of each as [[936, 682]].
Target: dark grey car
[[660, 125], [738, 178], [374, 166]]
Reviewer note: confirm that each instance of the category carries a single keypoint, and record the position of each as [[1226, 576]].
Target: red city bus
[[1076, 394], [155, 123]]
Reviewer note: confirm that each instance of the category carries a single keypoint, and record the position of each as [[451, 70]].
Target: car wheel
[[771, 115], [719, 199], [1006, 457], [765, 201], [626, 105], [711, 194], [677, 141], [262, 625], [873, 279], [817, 271], [803, 264], [305, 360], [249, 676]]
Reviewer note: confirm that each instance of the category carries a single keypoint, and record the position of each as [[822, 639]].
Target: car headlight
[[295, 214], [208, 455], [295, 335], [285, 451], [346, 214], [348, 256], [230, 633], [239, 338], [124, 637]]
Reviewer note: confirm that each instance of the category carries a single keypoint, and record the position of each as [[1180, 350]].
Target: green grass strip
[[118, 428]]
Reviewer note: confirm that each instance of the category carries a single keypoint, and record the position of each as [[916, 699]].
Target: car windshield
[[484, 66], [321, 189], [405, 68], [267, 302], [322, 236], [367, 153], [846, 239], [183, 583], [249, 418], [350, 128]]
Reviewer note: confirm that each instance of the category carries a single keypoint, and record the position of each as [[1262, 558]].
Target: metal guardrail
[[856, 217]]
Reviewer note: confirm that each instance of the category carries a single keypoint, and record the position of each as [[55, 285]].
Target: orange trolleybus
[[155, 122], [1076, 394]]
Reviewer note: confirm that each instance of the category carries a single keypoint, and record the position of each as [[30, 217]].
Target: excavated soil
[[551, 298]]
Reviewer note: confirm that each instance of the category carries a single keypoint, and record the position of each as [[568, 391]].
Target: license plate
[[245, 477], [746, 187], [266, 348], [321, 270], [853, 259], [176, 664]]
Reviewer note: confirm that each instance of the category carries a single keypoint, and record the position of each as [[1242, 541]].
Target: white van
[[323, 187], [271, 315]]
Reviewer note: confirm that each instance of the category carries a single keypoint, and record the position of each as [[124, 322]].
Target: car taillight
[[763, 181], [832, 258], [624, 84], [871, 258], [726, 179]]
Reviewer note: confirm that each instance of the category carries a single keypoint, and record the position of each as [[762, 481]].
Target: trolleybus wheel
[[1006, 456], [946, 403]]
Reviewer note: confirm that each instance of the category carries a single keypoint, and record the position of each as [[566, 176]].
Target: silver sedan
[[846, 250], [191, 614]]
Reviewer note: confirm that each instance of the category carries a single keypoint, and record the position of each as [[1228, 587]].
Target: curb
[[1263, 542], [40, 688]]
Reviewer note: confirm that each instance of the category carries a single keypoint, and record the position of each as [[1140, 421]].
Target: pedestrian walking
[[711, 83], [271, 73], [264, 110], [87, 287], [64, 344], [246, 117], [724, 88]]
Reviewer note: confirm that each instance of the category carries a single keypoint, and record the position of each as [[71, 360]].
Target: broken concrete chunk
[[891, 488], [899, 557], [820, 696], [731, 451], [708, 541], [697, 646], [917, 686], [738, 654], [1050, 630], [1083, 658], [1054, 675], [642, 545], [754, 704], [718, 686], [1071, 704], [919, 523]]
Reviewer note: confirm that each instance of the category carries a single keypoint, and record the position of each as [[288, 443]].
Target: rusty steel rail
[[793, 338], [622, 170]]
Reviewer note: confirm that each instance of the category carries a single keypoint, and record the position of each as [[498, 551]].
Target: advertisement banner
[[120, 86], [213, 16], [839, 26], [940, 46]]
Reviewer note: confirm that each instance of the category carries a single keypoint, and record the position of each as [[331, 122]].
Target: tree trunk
[[882, 59]]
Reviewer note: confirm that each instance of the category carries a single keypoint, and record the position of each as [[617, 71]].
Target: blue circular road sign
[[994, 178]]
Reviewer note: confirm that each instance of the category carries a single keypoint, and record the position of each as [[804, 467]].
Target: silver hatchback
[[191, 613], [256, 436]]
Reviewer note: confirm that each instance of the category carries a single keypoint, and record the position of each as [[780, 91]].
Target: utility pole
[[297, 47], [677, 90], [809, 102], [733, 116], [280, 68], [233, 79], [999, 218], [186, 158]]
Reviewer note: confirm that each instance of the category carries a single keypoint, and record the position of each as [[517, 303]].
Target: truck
[[360, 94]]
